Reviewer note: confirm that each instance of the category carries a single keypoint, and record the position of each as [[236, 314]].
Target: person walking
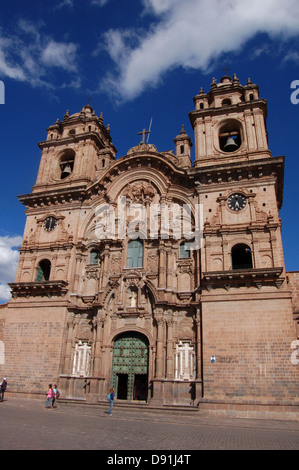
[[110, 399], [3, 388], [56, 396], [50, 396]]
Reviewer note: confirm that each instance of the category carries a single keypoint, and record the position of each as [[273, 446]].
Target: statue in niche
[[132, 297]]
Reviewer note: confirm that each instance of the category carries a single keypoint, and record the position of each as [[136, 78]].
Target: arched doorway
[[130, 366]]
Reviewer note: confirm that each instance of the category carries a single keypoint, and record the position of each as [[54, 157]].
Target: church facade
[[159, 276]]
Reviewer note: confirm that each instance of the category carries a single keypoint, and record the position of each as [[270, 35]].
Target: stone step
[[131, 405]]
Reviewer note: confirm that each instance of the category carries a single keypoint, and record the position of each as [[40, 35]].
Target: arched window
[[241, 257], [184, 250], [94, 256], [226, 102], [43, 271], [135, 254]]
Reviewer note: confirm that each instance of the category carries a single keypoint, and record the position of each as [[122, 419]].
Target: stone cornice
[[257, 277], [247, 170], [52, 197], [209, 112], [219, 174], [77, 139], [33, 289]]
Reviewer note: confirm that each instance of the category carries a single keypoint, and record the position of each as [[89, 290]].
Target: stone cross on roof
[[143, 135]]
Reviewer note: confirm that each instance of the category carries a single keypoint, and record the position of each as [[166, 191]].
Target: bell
[[66, 171], [230, 145]]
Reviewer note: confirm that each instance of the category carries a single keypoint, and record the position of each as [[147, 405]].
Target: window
[[184, 250], [226, 102], [241, 257], [43, 271], [94, 257], [184, 366], [135, 254], [82, 359]]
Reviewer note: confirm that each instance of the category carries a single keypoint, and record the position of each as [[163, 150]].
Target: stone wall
[[250, 338], [33, 337]]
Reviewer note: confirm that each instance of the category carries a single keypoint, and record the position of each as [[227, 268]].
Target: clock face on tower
[[236, 202], [50, 223]]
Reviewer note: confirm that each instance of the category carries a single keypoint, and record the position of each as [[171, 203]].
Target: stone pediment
[[142, 147]]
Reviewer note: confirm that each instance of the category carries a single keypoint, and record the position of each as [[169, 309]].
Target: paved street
[[26, 425]]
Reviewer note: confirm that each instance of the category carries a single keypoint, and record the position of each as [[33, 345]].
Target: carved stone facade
[[110, 289]]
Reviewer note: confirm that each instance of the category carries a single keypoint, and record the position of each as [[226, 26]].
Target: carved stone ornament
[[84, 330], [92, 272], [140, 191]]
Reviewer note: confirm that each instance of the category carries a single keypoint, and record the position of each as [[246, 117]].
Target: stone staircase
[[132, 405]]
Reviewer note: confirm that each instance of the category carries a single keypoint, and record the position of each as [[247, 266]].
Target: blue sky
[[138, 60]]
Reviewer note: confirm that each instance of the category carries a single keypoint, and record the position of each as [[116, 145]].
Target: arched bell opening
[[241, 257], [230, 138], [43, 271], [67, 163]]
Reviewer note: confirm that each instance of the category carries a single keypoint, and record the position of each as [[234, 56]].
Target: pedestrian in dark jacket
[[110, 398], [3, 388]]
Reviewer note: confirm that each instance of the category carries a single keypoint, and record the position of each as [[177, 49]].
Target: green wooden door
[[130, 366]]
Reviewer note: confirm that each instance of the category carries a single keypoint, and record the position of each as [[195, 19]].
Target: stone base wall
[[33, 338], [247, 348]]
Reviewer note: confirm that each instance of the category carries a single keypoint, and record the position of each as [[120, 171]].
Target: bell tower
[[229, 123], [76, 151]]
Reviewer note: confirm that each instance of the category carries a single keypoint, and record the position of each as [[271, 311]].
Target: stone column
[[162, 273], [169, 352], [198, 344], [105, 272], [159, 354], [170, 267], [97, 346], [69, 344]]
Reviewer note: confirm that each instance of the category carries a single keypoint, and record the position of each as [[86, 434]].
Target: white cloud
[[64, 3], [99, 3], [29, 55], [192, 34], [60, 55], [6, 68], [5, 294], [9, 256]]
